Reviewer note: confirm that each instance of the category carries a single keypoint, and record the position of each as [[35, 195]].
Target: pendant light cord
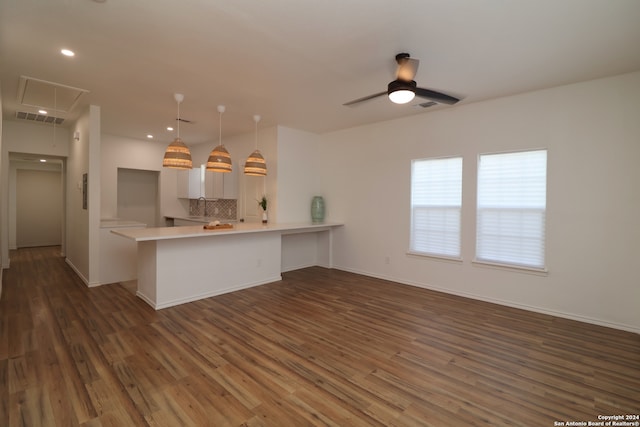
[[178, 119]]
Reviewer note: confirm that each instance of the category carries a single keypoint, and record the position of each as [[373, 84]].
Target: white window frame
[[445, 223], [511, 222]]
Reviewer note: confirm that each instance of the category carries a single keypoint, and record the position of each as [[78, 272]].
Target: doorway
[[39, 209]]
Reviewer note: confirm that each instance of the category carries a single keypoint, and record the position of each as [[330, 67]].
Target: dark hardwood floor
[[322, 347]]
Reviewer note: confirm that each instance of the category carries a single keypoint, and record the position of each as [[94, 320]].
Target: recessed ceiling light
[[67, 52], [169, 128], [150, 136], [43, 160], [42, 111]]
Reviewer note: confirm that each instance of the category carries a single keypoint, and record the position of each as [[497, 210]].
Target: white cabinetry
[[196, 183], [190, 183], [219, 185]]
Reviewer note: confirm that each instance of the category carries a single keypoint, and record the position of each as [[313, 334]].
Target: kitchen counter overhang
[[177, 265], [164, 233]]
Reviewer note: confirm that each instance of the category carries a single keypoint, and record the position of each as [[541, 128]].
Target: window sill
[[456, 260], [511, 267]]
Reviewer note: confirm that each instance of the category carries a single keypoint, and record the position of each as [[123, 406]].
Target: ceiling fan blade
[[438, 97], [407, 68], [366, 98]]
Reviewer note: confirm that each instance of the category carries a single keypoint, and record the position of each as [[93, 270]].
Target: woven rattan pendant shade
[[219, 158], [177, 154], [255, 164]]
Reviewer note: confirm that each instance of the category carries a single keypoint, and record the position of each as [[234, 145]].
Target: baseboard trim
[[535, 309], [171, 303], [298, 267], [78, 272]]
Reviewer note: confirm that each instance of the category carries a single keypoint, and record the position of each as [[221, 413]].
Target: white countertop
[[163, 233], [120, 223]]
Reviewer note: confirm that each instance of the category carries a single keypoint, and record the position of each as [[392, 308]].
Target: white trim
[[191, 298], [511, 267], [84, 279], [434, 256], [301, 266], [570, 316]]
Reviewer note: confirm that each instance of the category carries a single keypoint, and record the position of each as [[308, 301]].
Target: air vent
[[428, 104], [33, 117]]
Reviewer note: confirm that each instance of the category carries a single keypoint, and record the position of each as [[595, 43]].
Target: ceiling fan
[[403, 89]]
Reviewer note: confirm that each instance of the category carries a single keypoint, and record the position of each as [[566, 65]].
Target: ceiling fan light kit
[[401, 92], [177, 155], [403, 89]]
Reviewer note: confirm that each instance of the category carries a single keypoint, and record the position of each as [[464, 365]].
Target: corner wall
[[2, 210], [83, 225], [298, 179], [591, 131]]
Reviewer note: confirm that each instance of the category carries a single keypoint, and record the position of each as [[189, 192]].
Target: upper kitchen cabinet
[[219, 185], [196, 183], [190, 183]]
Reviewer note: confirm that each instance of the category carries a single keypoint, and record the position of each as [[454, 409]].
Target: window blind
[[512, 197], [436, 199]]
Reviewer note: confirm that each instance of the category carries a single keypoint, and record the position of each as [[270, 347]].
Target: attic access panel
[[43, 94]]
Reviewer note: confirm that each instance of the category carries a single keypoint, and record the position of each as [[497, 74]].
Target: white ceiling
[[296, 62]]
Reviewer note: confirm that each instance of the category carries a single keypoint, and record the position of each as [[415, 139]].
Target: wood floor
[[322, 347]]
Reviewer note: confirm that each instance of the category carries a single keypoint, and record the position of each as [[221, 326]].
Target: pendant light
[[177, 155], [219, 159], [255, 165]]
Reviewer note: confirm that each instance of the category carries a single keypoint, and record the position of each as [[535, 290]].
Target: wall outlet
[[216, 210], [387, 260]]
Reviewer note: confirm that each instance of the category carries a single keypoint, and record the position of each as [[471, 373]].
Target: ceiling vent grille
[[41, 118], [427, 104]]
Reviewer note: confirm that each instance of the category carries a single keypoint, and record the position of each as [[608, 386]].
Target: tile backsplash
[[219, 208]]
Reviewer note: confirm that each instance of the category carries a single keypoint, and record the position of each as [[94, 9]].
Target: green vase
[[317, 209]]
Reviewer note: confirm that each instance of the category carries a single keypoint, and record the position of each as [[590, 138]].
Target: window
[[436, 199], [512, 200]]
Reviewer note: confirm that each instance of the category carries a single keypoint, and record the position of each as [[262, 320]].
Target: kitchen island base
[[180, 266]]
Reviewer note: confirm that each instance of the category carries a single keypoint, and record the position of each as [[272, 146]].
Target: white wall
[[39, 204], [592, 134], [138, 196], [2, 204], [14, 165], [298, 179], [119, 152], [83, 225]]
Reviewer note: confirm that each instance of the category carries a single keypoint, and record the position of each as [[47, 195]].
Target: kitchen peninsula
[[177, 265]]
